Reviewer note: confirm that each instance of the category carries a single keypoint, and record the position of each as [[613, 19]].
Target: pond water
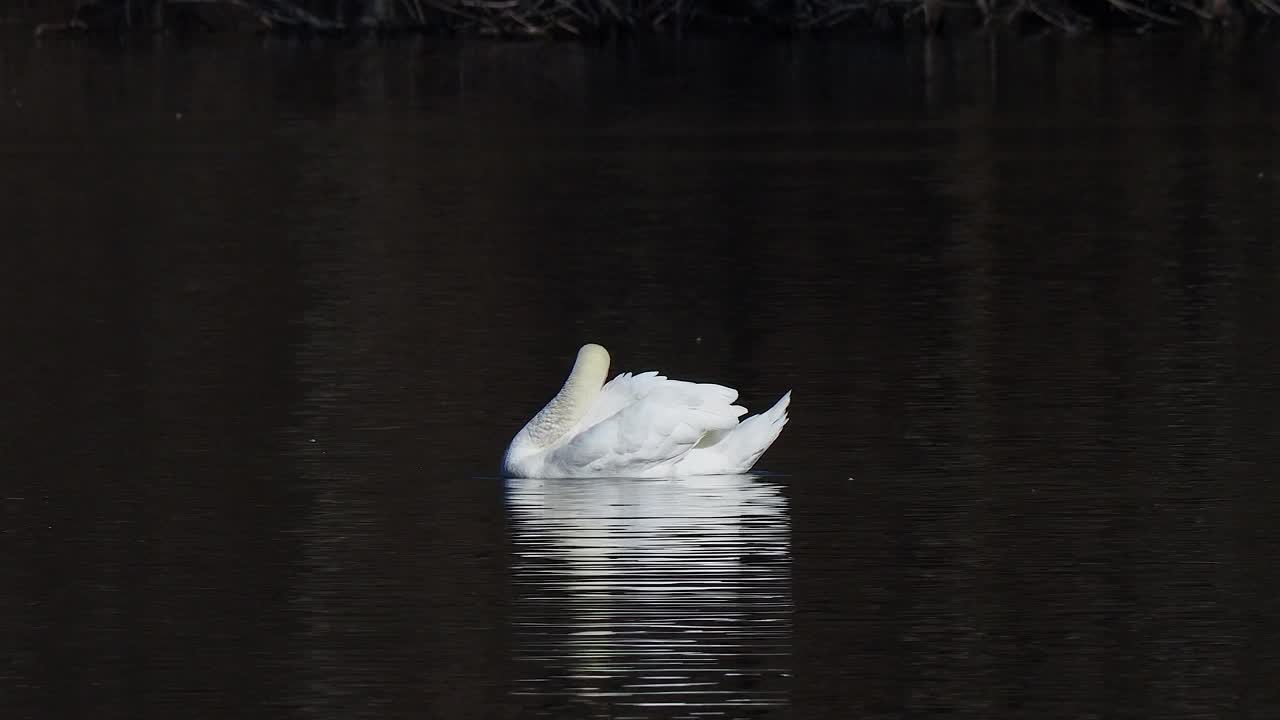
[[272, 310]]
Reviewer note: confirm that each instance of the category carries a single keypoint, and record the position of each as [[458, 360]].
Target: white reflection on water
[[652, 594]]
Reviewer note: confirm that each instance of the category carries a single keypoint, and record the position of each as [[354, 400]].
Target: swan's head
[[591, 367]]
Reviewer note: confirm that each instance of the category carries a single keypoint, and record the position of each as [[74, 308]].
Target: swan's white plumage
[[644, 425]]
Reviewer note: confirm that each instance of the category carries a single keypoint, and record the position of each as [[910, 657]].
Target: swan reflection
[[665, 594]]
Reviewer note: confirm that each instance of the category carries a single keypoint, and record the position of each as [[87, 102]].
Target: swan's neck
[[574, 399]]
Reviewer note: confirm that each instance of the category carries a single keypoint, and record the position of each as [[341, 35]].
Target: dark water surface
[[270, 313]]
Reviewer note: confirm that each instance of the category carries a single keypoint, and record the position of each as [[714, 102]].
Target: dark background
[[272, 310]]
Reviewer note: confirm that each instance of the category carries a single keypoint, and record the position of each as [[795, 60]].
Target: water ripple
[[645, 598]]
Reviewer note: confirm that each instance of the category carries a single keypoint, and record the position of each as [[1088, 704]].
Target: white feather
[[642, 425]]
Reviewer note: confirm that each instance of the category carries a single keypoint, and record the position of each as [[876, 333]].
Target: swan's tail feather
[[760, 431], [737, 450]]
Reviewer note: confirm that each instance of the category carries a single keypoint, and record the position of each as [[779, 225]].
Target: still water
[[272, 310]]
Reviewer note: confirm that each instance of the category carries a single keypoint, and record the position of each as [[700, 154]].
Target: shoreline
[[604, 20]]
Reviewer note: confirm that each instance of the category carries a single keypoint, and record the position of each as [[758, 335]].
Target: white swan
[[639, 426]]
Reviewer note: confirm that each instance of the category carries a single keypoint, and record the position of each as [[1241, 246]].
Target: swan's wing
[[626, 389], [617, 394], [666, 419]]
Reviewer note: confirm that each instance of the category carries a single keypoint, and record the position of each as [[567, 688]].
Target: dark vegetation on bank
[[604, 18]]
